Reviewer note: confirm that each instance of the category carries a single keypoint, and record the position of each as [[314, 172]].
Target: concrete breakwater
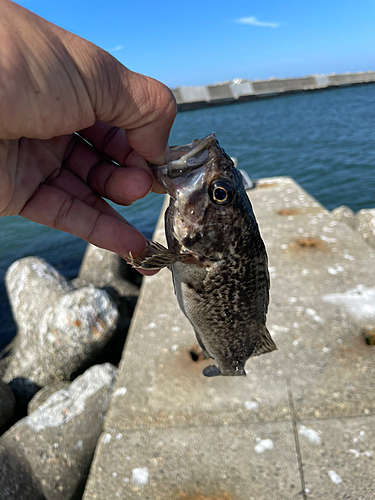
[[241, 90], [302, 421], [300, 425]]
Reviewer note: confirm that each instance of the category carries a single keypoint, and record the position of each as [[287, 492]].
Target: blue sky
[[201, 42]]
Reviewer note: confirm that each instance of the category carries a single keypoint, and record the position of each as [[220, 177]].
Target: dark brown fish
[[216, 254]]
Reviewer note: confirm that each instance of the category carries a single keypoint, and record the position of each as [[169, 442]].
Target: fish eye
[[221, 192]]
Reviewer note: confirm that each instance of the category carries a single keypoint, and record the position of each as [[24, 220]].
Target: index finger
[[62, 210]]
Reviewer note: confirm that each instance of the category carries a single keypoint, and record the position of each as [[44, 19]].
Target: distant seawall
[[246, 90]]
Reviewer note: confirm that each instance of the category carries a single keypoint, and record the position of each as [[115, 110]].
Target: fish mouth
[[195, 157], [186, 165]]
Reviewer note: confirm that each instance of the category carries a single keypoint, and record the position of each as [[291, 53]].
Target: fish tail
[[265, 343]]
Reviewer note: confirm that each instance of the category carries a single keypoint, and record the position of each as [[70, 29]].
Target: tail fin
[[265, 343]]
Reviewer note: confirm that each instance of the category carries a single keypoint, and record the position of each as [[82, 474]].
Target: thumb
[[144, 107], [60, 83]]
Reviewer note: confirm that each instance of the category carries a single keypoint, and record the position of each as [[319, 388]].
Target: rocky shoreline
[[59, 371], [57, 375]]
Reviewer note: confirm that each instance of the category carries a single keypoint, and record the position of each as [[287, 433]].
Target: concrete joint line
[[296, 439]]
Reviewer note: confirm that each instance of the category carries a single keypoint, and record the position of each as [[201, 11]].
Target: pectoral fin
[[156, 256]]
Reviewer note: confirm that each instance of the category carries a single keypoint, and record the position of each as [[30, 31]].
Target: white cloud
[[117, 48], [253, 21]]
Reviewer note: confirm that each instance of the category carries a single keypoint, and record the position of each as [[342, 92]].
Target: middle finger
[[112, 141], [123, 185]]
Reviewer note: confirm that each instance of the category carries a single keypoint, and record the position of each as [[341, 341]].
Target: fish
[[216, 254]]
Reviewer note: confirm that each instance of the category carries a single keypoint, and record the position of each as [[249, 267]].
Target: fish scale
[[216, 254]]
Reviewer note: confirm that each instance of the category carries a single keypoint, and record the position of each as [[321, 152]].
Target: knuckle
[[63, 212]]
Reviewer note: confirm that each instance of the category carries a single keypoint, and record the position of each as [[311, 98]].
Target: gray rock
[[14, 484], [33, 284], [45, 393], [365, 225], [61, 329], [107, 269], [47, 455], [7, 404], [71, 332], [344, 214], [5, 356]]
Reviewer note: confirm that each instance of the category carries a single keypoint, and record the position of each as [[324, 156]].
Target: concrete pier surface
[[300, 425], [241, 90]]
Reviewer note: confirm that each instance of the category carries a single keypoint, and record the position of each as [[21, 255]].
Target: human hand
[[52, 84]]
